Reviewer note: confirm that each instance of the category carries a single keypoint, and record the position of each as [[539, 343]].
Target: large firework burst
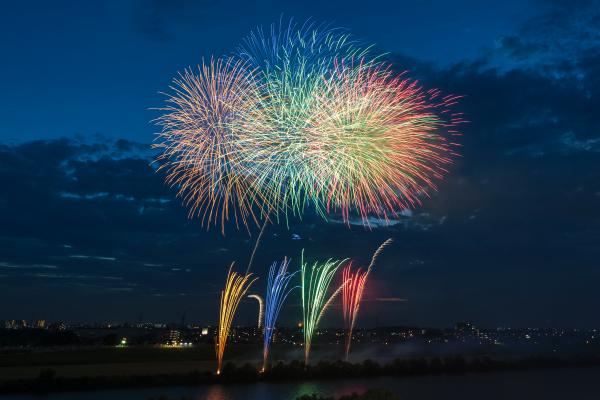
[[198, 144], [303, 116]]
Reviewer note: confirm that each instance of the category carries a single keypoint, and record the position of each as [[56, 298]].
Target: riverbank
[[48, 382]]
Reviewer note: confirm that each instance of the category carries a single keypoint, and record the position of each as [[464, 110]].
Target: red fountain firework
[[352, 291], [354, 284]]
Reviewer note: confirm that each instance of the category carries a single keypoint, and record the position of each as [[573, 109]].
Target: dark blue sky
[[97, 67], [89, 232]]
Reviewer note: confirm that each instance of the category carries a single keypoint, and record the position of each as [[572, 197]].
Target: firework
[[304, 116], [315, 282], [292, 64], [352, 291], [378, 253], [198, 144], [277, 292], [261, 309], [236, 287], [351, 297], [256, 244]]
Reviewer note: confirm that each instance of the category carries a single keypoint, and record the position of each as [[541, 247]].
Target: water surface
[[552, 384]]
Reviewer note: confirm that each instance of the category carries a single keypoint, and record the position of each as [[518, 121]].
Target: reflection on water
[[216, 392], [556, 384], [307, 389]]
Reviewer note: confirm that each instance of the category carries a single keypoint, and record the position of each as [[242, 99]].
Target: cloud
[[369, 222], [77, 276], [571, 142], [408, 220], [387, 299], [554, 41], [25, 266], [104, 258]]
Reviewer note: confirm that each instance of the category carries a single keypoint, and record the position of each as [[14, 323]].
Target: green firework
[[315, 283]]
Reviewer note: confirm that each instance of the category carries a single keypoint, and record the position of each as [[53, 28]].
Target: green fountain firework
[[315, 283]]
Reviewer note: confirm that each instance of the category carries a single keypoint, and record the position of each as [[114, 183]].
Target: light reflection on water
[[216, 392], [556, 384], [307, 389]]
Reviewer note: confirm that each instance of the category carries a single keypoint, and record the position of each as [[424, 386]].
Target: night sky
[[89, 232]]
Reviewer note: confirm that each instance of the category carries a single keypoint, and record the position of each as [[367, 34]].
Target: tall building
[[41, 324]]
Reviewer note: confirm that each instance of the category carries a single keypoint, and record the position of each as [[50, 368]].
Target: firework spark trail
[[303, 116], [236, 287], [277, 292], [315, 282], [258, 239], [352, 292], [261, 309], [378, 253]]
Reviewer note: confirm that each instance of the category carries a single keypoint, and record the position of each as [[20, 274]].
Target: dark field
[[110, 361], [79, 361]]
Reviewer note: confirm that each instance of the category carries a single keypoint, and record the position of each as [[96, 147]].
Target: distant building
[[10, 324], [174, 337], [465, 326], [41, 324], [59, 326]]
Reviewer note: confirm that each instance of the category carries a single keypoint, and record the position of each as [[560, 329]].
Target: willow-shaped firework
[[277, 292], [315, 282], [236, 287], [304, 117], [352, 291]]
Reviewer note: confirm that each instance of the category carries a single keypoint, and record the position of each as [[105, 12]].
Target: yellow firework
[[236, 287]]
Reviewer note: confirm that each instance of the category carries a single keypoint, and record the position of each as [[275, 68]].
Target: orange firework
[[199, 151]]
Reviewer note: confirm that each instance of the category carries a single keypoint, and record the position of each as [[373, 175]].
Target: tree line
[[48, 381]]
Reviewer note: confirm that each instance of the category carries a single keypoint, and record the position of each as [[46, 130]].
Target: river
[[551, 384]]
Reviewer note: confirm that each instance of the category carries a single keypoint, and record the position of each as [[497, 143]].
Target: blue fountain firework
[[277, 291]]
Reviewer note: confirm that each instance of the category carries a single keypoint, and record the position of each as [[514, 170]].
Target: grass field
[[111, 361]]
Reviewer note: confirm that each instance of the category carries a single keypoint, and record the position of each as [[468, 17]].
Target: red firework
[[352, 291], [353, 285]]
